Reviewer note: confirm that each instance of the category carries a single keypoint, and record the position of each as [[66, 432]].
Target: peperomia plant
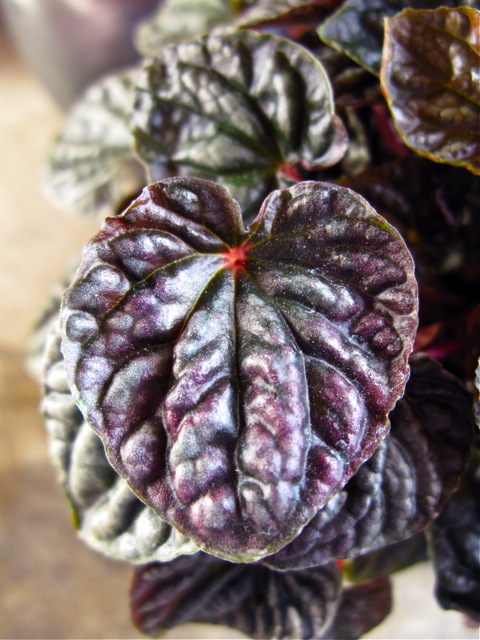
[[240, 393]]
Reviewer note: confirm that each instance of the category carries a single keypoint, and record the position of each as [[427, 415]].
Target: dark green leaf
[[109, 516], [477, 394], [404, 484], [357, 28], [255, 600], [428, 72], [239, 378], [239, 108], [92, 167]]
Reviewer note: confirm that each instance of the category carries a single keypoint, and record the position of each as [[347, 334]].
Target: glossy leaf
[[109, 516], [92, 166], [357, 28], [362, 607], [210, 109], [255, 600], [455, 537], [429, 82], [404, 484], [239, 377]]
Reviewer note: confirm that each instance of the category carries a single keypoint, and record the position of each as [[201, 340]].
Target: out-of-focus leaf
[[428, 76], [357, 28], [455, 541], [239, 377], [92, 168], [362, 607], [178, 21], [389, 559], [109, 516], [238, 108], [255, 600], [405, 483], [477, 394]]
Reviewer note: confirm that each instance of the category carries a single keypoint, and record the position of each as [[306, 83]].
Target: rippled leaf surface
[[428, 77], [405, 483], [239, 377], [357, 28], [255, 600], [455, 537], [109, 516], [92, 167], [239, 108]]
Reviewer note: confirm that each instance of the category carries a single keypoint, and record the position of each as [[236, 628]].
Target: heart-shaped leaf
[[239, 378], [239, 108], [255, 600], [92, 167], [357, 28], [109, 516], [428, 78], [404, 484]]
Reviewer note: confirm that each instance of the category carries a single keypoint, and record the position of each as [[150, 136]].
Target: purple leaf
[[258, 601], [404, 484], [109, 516], [239, 378]]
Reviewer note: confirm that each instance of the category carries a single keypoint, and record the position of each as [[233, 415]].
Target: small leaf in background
[[92, 168], [178, 21], [109, 516], [243, 109], [405, 483], [455, 542], [255, 600], [428, 78], [362, 607], [240, 377], [357, 28]]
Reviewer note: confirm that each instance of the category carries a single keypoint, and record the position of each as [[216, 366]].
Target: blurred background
[[51, 585]]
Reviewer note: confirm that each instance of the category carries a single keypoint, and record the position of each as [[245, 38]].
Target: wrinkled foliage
[[426, 79], [399, 490], [240, 128], [246, 374], [108, 515], [259, 602], [267, 356]]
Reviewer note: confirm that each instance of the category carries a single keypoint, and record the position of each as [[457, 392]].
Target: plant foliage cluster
[[263, 382]]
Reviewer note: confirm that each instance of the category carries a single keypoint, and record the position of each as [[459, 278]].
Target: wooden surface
[[51, 585]]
